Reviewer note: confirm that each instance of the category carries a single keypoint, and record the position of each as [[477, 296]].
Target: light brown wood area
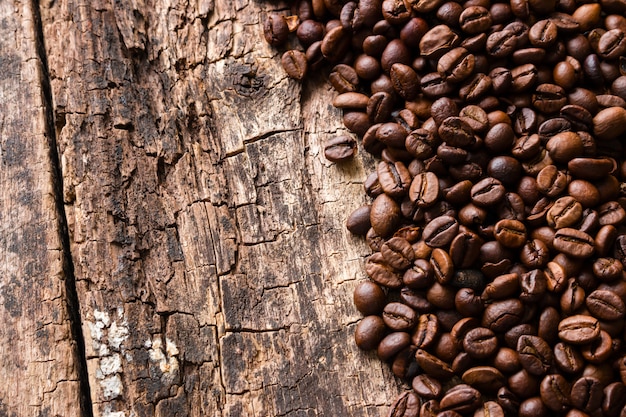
[[198, 264]]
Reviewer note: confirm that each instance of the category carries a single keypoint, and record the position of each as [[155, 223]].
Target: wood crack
[[57, 177]]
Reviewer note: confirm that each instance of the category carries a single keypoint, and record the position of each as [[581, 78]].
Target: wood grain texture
[[38, 363], [213, 269]]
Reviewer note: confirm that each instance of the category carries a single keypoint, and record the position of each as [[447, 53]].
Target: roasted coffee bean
[[614, 399], [579, 329], [369, 332], [358, 221], [384, 215], [440, 231], [295, 64], [407, 405], [555, 392], [442, 266], [369, 298], [424, 189], [426, 332], [433, 366], [437, 41], [461, 398], [534, 254], [487, 192], [586, 394], [380, 272], [605, 305], [523, 384], [456, 65], [598, 351], [419, 275], [607, 269], [510, 233], [567, 358], [480, 343], [533, 286], [573, 297], [500, 316], [565, 212], [573, 242], [399, 317], [340, 148], [275, 29], [611, 213], [426, 387], [394, 178], [392, 344], [535, 354], [405, 81]]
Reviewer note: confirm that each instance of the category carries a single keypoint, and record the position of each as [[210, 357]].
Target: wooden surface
[[39, 367], [214, 274]]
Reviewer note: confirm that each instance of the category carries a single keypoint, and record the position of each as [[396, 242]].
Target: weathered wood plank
[[38, 356], [213, 270]]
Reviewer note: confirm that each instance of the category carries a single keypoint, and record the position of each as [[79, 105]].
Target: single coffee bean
[[399, 317], [369, 298], [419, 275], [392, 344], [433, 366], [523, 384], [380, 272], [614, 399], [426, 331], [501, 315], [586, 394], [440, 231], [567, 358], [534, 254], [426, 387], [535, 354], [510, 233], [442, 266], [480, 343], [340, 148], [490, 409], [565, 212], [456, 65], [461, 398], [384, 215], [369, 332], [275, 29], [599, 351], [424, 189], [398, 253], [611, 213], [501, 44], [415, 299], [555, 392], [344, 79], [394, 178], [487, 192], [607, 269], [405, 81], [609, 123], [437, 41], [605, 305], [551, 181], [295, 64], [358, 221], [533, 286], [579, 329], [406, 405], [573, 297], [573, 242], [456, 132]]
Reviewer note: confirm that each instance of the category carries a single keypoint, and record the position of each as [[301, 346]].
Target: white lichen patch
[[107, 338], [166, 359]]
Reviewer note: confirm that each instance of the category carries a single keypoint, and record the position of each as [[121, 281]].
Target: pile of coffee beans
[[497, 282]]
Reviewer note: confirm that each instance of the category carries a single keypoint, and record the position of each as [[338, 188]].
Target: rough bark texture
[[213, 270], [38, 361]]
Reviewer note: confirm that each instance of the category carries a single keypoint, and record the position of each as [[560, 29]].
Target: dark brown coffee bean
[[551, 181], [405, 81], [523, 384], [524, 77], [357, 122], [406, 405], [599, 351], [614, 399], [441, 296], [415, 299], [490, 409], [555, 392], [358, 221], [399, 317], [604, 240], [369, 332], [586, 394], [573, 242], [424, 189], [534, 254], [384, 215], [501, 44], [510, 233], [475, 19], [500, 316], [579, 329], [611, 213], [392, 344], [567, 358], [435, 85], [573, 297], [377, 269], [379, 107], [508, 401], [526, 147], [605, 305], [464, 249], [398, 253], [556, 277], [533, 407], [607, 269], [419, 275], [456, 65], [429, 409], [433, 366], [294, 63], [394, 178], [275, 29], [487, 192], [340, 148], [480, 343], [565, 212], [437, 41], [612, 44], [351, 100], [591, 169], [609, 123], [535, 354], [426, 332], [442, 266], [461, 398], [335, 44], [369, 298], [344, 79], [512, 207], [427, 387], [565, 146], [543, 33], [533, 286], [440, 231], [468, 303]]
